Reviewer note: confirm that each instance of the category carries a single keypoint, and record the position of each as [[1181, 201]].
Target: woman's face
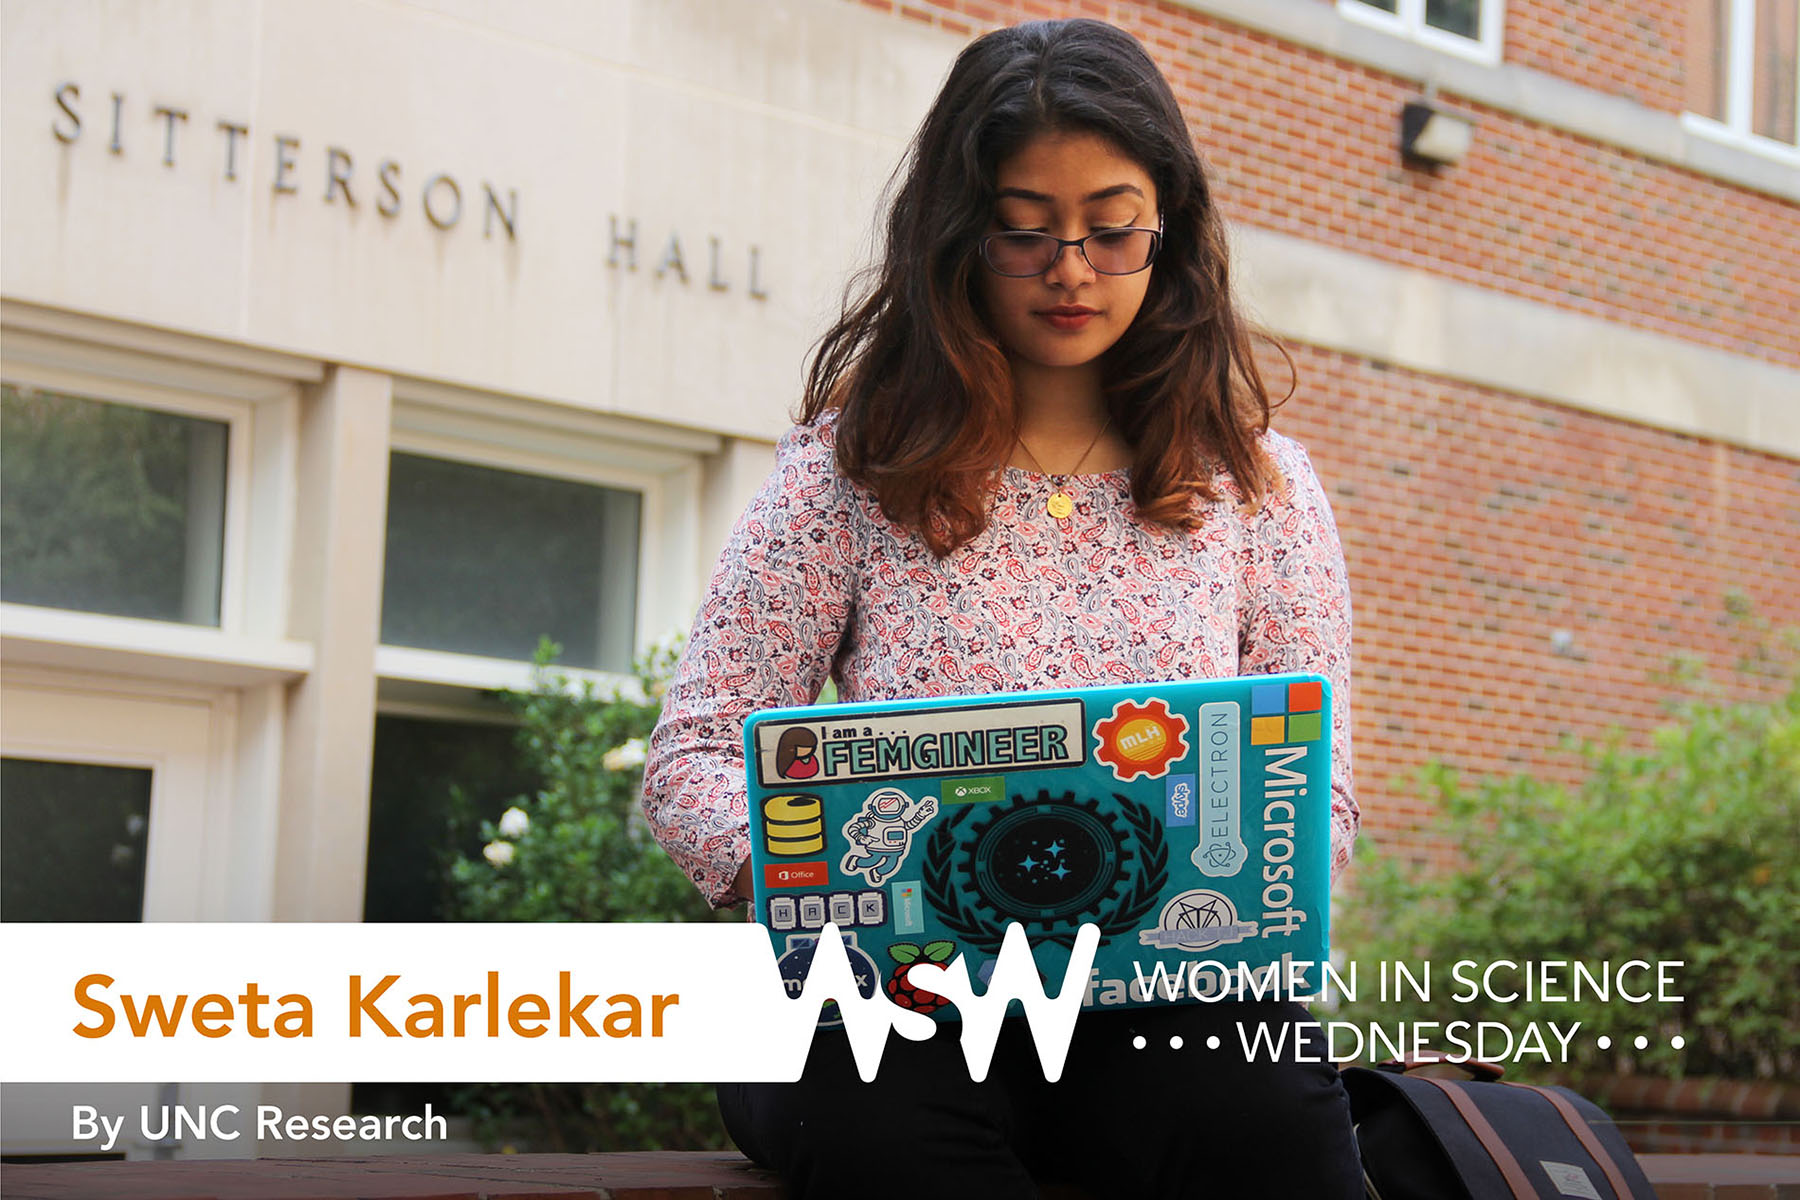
[[1069, 185]]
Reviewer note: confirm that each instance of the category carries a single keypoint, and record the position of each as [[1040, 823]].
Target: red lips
[[1068, 317]]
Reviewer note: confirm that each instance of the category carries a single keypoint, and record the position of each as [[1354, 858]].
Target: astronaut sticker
[[881, 834]]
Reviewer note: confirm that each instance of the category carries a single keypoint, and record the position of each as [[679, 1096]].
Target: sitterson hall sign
[[333, 175]]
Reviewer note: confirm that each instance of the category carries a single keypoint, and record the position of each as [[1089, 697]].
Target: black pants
[[1126, 1122]]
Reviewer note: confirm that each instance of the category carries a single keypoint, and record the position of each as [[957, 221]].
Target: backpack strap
[[1585, 1135], [1490, 1140], [1474, 1067]]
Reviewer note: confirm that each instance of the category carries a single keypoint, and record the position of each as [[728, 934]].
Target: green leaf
[[1682, 845]]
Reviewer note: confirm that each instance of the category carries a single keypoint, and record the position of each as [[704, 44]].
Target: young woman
[[1034, 455]]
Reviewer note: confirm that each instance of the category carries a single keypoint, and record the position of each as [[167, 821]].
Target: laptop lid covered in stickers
[[1189, 820]]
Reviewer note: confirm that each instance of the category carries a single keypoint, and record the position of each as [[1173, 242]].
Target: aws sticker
[[1140, 739], [1197, 920]]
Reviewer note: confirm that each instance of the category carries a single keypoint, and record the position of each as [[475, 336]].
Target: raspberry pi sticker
[[1198, 919], [901, 990], [1140, 739], [881, 834], [1050, 862]]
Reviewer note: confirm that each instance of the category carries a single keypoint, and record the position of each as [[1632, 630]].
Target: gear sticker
[[1051, 863], [1140, 739]]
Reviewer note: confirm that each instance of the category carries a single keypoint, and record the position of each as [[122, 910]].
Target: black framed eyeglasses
[[1019, 253]]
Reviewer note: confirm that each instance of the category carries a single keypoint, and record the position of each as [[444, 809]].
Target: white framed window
[[431, 783], [508, 521], [118, 798], [1467, 28], [1742, 83], [148, 506], [484, 560], [122, 500]]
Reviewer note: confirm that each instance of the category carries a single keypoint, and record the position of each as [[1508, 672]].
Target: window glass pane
[[413, 814], [1455, 16], [1772, 90], [109, 508], [1708, 50], [1390, 6], [485, 561], [72, 841]]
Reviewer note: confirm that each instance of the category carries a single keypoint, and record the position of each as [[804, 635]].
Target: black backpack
[[1427, 1138]]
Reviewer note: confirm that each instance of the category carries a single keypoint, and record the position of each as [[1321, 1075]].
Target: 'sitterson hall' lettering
[[376, 1008]]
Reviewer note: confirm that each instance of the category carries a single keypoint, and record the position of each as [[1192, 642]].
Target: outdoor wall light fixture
[[1431, 137]]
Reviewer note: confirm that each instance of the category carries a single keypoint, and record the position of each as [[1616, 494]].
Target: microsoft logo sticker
[[1286, 712]]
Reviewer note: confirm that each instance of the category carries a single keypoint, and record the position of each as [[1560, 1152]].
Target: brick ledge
[[651, 1175], [1697, 1096], [635, 1176]]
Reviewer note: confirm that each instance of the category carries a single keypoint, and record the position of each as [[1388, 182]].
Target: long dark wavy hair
[[921, 386]]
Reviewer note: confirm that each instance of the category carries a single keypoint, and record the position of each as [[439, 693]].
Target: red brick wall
[[1477, 523], [1307, 144], [1630, 50]]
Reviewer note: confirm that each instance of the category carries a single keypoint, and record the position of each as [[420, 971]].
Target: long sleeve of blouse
[[765, 636], [815, 582]]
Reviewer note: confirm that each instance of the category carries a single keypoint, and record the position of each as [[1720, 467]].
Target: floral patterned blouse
[[815, 582]]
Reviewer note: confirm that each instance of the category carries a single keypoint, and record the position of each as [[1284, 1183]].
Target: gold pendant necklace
[[1060, 504]]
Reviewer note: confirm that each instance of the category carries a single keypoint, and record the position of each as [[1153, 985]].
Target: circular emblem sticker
[[1050, 862], [1046, 860], [1197, 920]]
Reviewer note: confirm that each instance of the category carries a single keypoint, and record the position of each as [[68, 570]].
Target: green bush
[[580, 850], [1688, 850]]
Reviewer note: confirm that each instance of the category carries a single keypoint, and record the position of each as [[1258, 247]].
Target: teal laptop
[[1190, 821]]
